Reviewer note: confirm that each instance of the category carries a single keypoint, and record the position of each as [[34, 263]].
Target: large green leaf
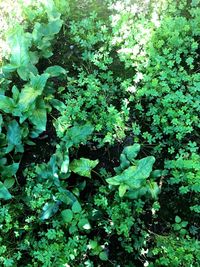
[[83, 166], [6, 104], [134, 176], [4, 193], [14, 136], [19, 45], [55, 71], [78, 134], [39, 115], [30, 92], [27, 97], [9, 170]]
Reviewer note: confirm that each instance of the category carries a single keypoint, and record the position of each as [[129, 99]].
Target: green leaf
[[39, 115], [122, 189], [9, 182], [14, 136], [65, 164], [83, 166], [49, 210], [55, 71], [27, 97], [78, 134], [153, 189], [67, 215], [19, 45], [4, 193], [76, 207], [131, 152], [6, 104], [9, 170], [134, 176], [103, 256], [84, 224], [177, 219], [38, 82]]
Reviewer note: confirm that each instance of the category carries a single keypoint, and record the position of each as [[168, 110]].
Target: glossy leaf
[[49, 210]]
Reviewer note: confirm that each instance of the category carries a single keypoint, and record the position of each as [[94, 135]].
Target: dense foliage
[[99, 134]]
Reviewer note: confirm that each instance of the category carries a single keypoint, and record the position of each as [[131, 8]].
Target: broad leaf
[[131, 152], [49, 210], [6, 104], [78, 134], [134, 176], [14, 137], [4, 193], [55, 71], [83, 166], [39, 115]]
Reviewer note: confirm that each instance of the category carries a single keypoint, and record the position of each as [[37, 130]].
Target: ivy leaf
[[131, 152], [134, 176], [4, 193], [78, 134], [6, 104], [83, 166], [55, 71], [49, 210]]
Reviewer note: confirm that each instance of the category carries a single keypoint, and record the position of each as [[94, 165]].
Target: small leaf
[[4, 193], [67, 215], [103, 256], [122, 189], [76, 207], [83, 166], [177, 219], [84, 224]]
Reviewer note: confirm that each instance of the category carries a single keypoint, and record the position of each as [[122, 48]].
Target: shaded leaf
[[4, 193]]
